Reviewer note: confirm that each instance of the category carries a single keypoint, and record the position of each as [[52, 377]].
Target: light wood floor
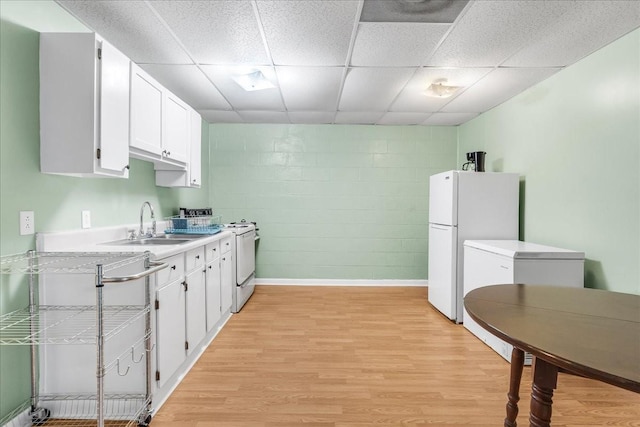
[[337, 356]]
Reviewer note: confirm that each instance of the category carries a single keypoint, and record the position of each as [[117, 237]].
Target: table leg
[[545, 380], [517, 363]]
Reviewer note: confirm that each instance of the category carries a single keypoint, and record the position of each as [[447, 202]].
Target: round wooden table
[[589, 332]]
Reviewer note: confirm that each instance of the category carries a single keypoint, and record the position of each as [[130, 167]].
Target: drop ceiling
[[354, 62]]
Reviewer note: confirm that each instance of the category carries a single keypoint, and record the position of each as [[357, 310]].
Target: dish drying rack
[[194, 224], [85, 327]]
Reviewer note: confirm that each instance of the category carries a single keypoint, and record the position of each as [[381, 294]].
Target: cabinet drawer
[[174, 271], [212, 251], [195, 258], [225, 244]]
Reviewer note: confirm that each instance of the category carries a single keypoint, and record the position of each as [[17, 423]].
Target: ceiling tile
[[41, 16], [373, 89], [413, 98], [439, 11], [308, 32], [378, 43], [491, 31], [448, 119], [264, 116], [132, 27], [358, 117], [312, 117], [498, 86], [310, 88], [217, 116], [216, 32], [392, 118], [266, 99], [579, 31], [189, 84]]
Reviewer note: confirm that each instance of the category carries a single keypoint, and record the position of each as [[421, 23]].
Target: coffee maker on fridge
[[475, 161]]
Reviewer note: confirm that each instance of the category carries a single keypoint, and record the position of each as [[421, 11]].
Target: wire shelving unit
[[90, 325]]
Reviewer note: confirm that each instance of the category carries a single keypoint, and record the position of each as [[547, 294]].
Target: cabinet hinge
[[99, 53], [157, 375], [98, 153], [157, 305], [186, 345]]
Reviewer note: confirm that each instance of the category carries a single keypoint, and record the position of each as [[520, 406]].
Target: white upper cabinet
[[191, 177], [84, 106], [176, 128], [159, 123], [146, 112], [195, 157]]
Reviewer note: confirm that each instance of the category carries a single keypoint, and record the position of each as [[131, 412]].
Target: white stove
[[244, 262]]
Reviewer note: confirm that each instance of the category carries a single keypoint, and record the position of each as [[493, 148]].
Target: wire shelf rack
[[65, 324], [41, 323], [80, 410], [67, 262], [207, 224]]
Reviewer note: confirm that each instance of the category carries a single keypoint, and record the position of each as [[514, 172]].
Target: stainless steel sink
[[149, 241], [161, 239]]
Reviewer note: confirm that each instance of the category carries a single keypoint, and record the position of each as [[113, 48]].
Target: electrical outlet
[[27, 223], [86, 219]]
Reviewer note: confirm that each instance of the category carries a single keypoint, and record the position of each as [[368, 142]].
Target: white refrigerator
[[462, 206]]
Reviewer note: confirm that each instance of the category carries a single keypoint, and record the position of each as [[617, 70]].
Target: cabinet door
[[146, 112], [226, 282], [212, 282], [170, 329], [195, 161], [176, 128], [114, 109], [196, 309]]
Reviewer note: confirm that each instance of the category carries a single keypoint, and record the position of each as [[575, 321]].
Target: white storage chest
[[493, 262]]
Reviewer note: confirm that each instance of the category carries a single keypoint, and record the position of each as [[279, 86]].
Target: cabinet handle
[[209, 267], [173, 267], [127, 167], [197, 256]]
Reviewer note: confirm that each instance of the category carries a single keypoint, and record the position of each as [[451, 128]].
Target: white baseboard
[[339, 282]]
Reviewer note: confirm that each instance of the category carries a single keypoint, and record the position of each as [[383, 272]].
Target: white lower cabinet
[[212, 281], [189, 309], [226, 275], [170, 328], [195, 310]]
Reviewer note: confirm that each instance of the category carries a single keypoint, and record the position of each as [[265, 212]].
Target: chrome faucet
[[142, 233]]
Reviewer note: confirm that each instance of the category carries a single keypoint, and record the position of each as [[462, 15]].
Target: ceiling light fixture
[[439, 89], [253, 81]]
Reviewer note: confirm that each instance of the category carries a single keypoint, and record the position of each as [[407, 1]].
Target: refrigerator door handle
[[440, 227]]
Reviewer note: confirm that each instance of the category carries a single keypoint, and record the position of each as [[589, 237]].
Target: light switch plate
[[86, 219], [27, 223]]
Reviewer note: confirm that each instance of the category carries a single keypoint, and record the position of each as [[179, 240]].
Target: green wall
[[575, 140], [331, 201], [57, 201]]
